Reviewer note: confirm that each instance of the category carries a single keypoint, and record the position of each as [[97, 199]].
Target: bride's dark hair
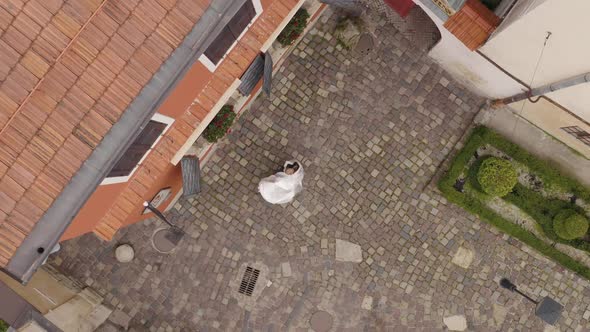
[[294, 166]]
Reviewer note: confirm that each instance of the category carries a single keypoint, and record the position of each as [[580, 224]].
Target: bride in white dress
[[282, 187]]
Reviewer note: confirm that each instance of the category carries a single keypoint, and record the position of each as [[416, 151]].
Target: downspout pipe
[[566, 83]]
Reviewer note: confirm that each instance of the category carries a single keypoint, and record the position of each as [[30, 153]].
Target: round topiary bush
[[497, 176], [569, 225]]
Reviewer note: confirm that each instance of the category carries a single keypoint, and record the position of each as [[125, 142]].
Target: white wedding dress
[[281, 187]]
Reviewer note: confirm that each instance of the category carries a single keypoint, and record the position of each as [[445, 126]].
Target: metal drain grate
[[249, 281]]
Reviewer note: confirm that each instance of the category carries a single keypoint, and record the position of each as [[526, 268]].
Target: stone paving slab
[[371, 132], [417, 26], [348, 252]]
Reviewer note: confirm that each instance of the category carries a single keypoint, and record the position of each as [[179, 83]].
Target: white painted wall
[[551, 119], [521, 8], [467, 67], [517, 47]]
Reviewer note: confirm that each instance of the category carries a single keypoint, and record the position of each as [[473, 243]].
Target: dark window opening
[[230, 33], [579, 133], [138, 149]]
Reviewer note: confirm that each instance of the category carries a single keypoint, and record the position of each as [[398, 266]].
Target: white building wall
[[467, 67], [517, 46], [521, 8]]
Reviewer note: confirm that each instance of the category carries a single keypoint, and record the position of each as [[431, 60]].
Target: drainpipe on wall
[[566, 83]]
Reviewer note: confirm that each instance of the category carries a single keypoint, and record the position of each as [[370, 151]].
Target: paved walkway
[[417, 27], [371, 132]]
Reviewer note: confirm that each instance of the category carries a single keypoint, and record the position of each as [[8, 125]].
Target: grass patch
[[3, 326], [540, 208], [544, 210]]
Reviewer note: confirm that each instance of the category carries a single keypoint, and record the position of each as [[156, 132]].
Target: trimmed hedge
[[570, 225], [472, 203], [548, 172], [544, 210], [497, 176]]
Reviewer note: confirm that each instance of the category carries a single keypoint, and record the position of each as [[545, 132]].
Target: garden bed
[[530, 209]]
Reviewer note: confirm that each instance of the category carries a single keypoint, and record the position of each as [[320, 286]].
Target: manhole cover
[[164, 240], [365, 44], [321, 321]]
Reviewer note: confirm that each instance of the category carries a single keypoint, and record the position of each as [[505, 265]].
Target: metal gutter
[[49, 229], [504, 8], [498, 102], [566, 83]]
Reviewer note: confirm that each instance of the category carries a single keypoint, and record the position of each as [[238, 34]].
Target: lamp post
[[547, 309], [164, 240], [505, 283]]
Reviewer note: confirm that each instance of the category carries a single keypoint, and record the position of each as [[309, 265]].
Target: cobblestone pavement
[[371, 132], [417, 27]]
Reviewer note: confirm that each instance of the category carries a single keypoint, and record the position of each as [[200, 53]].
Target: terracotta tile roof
[[68, 70], [472, 24], [237, 61]]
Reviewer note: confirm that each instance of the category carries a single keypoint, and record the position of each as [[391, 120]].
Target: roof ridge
[[57, 60]]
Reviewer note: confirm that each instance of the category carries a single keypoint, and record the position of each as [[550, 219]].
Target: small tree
[[569, 225], [220, 124], [497, 176]]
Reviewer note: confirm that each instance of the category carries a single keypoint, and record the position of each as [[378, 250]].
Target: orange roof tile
[[235, 64], [68, 70], [472, 24]]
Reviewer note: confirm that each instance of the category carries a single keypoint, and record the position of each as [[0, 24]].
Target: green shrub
[[482, 136], [3, 326], [569, 225], [497, 176], [220, 124], [547, 171], [294, 28]]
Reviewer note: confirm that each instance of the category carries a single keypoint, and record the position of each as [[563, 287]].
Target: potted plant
[[220, 124], [294, 28]]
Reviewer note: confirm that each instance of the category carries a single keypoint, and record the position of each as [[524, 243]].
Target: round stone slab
[[124, 253], [321, 321], [161, 243]]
